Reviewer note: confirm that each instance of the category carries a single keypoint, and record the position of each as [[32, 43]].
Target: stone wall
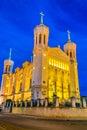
[[52, 112]]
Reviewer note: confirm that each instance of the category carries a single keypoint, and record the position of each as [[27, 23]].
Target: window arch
[[7, 69], [74, 54], [67, 52], [44, 39], [70, 54], [40, 38], [36, 39]]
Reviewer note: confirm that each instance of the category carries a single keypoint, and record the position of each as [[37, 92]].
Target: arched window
[[67, 52], [30, 82], [36, 39], [44, 39], [9, 68], [70, 54], [39, 38], [74, 54], [20, 86], [6, 69]]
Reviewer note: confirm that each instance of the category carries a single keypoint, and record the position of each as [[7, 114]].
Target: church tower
[[39, 76], [70, 50], [8, 67]]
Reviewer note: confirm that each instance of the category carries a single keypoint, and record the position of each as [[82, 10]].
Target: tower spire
[[41, 19], [10, 53], [69, 39]]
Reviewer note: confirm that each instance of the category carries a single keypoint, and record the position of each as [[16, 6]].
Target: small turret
[[41, 34], [70, 48]]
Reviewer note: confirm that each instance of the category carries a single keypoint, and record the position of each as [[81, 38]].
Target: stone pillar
[[10, 104], [38, 102], [42, 102], [46, 102], [25, 103], [31, 103], [84, 102], [16, 103], [7, 104], [3, 106], [57, 101], [73, 102], [54, 100], [13, 103], [21, 104]]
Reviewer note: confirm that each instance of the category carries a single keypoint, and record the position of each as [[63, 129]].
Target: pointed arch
[[44, 39], [40, 36], [36, 39], [67, 52], [70, 54]]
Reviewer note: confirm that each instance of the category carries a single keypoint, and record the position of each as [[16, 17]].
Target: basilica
[[53, 71]]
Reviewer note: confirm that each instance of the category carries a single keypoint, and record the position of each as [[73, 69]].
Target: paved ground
[[21, 122]]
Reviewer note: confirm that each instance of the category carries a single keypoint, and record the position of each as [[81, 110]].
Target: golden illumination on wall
[[58, 64], [44, 54], [33, 68], [49, 61], [44, 68]]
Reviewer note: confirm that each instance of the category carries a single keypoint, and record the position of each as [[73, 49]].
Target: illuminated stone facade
[[52, 72]]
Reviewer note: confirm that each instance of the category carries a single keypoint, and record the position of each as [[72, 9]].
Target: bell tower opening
[[40, 38], [36, 39], [44, 38]]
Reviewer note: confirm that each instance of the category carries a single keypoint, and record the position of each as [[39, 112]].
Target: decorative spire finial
[[41, 20], [69, 39], [10, 53]]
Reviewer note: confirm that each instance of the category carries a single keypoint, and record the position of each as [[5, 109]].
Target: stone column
[[13, 103], [25, 103], [57, 101], [46, 102], [38, 102], [10, 104], [31, 103], [21, 104], [54, 100], [84, 102], [7, 104], [3, 106], [42, 102], [73, 102], [16, 103]]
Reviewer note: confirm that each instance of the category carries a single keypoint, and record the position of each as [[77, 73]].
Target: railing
[[50, 102]]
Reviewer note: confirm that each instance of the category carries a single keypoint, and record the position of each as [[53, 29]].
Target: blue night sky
[[19, 17]]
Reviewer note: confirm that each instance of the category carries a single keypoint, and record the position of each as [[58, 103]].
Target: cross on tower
[[69, 39], [41, 20]]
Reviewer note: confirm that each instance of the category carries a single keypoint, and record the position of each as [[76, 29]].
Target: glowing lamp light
[[44, 68], [33, 68], [44, 54]]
